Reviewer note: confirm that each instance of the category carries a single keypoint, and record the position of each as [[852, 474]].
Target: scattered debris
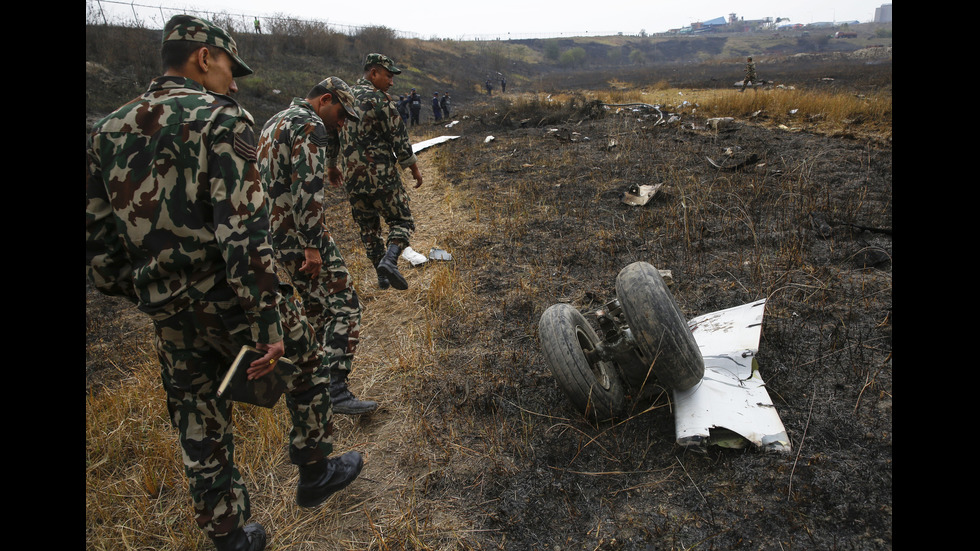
[[720, 122], [639, 106], [488, 139], [567, 135], [638, 195], [452, 124], [417, 259], [439, 254], [752, 159], [414, 257], [416, 147]]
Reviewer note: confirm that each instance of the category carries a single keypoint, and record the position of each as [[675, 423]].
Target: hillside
[[121, 61], [475, 446]]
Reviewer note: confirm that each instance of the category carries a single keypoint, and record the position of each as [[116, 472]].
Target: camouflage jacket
[[371, 147], [295, 148], [174, 207], [750, 70]]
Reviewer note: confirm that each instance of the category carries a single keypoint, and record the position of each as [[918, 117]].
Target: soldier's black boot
[[389, 267], [383, 282], [324, 478], [249, 538], [343, 400]]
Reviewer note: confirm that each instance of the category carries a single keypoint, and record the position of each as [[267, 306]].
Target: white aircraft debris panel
[[416, 147], [731, 404]]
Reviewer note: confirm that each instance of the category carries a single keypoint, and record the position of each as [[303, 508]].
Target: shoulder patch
[[319, 136], [245, 147]]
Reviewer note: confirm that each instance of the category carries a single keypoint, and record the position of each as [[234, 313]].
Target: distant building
[[883, 14], [716, 22]]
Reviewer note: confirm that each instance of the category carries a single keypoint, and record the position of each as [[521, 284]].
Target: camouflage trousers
[[369, 206], [195, 348], [331, 304]]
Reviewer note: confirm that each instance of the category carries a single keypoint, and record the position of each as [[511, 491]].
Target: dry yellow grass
[[831, 113]]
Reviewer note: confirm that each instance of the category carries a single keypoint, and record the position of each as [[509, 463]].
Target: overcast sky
[[504, 18]]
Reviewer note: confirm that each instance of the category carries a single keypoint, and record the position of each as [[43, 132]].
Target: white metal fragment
[[413, 256], [439, 254], [416, 147], [640, 195], [732, 394]]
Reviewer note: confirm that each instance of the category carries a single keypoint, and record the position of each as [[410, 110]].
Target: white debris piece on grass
[[414, 257], [730, 406], [439, 254], [416, 147], [720, 122], [640, 195]]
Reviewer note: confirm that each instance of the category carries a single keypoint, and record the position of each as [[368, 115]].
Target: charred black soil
[[807, 226]]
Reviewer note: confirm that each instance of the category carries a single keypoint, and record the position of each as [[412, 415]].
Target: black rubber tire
[[658, 326], [593, 387]]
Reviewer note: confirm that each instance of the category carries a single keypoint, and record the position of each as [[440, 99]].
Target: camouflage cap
[[340, 90], [382, 60], [195, 29]]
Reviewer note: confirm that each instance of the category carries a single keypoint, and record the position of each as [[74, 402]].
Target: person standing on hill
[[444, 103], [176, 223], [415, 106], [749, 75], [298, 147], [372, 151], [436, 108], [489, 88], [402, 106]]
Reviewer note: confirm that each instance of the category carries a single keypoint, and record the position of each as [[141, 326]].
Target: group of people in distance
[[191, 216], [410, 107]]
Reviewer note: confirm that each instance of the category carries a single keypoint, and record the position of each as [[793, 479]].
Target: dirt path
[[395, 351]]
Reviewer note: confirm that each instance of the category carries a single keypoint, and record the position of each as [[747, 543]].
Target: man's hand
[[335, 176], [312, 263], [264, 365], [417, 175]]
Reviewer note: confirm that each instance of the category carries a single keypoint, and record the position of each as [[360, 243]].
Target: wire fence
[[134, 14]]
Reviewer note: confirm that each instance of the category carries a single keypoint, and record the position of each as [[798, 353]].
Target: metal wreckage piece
[[730, 406], [416, 147]]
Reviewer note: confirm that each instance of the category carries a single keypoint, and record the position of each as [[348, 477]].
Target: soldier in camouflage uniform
[[372, 150], [749, 75], [176, 223], [297, 148]]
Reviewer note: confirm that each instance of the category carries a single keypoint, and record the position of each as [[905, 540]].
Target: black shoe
[[389, 268], [321, 480], [383, 282], [249, 538], [344, 402]]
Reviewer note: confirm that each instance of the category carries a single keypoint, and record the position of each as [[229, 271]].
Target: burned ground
[[492, 444], [808, 227]]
